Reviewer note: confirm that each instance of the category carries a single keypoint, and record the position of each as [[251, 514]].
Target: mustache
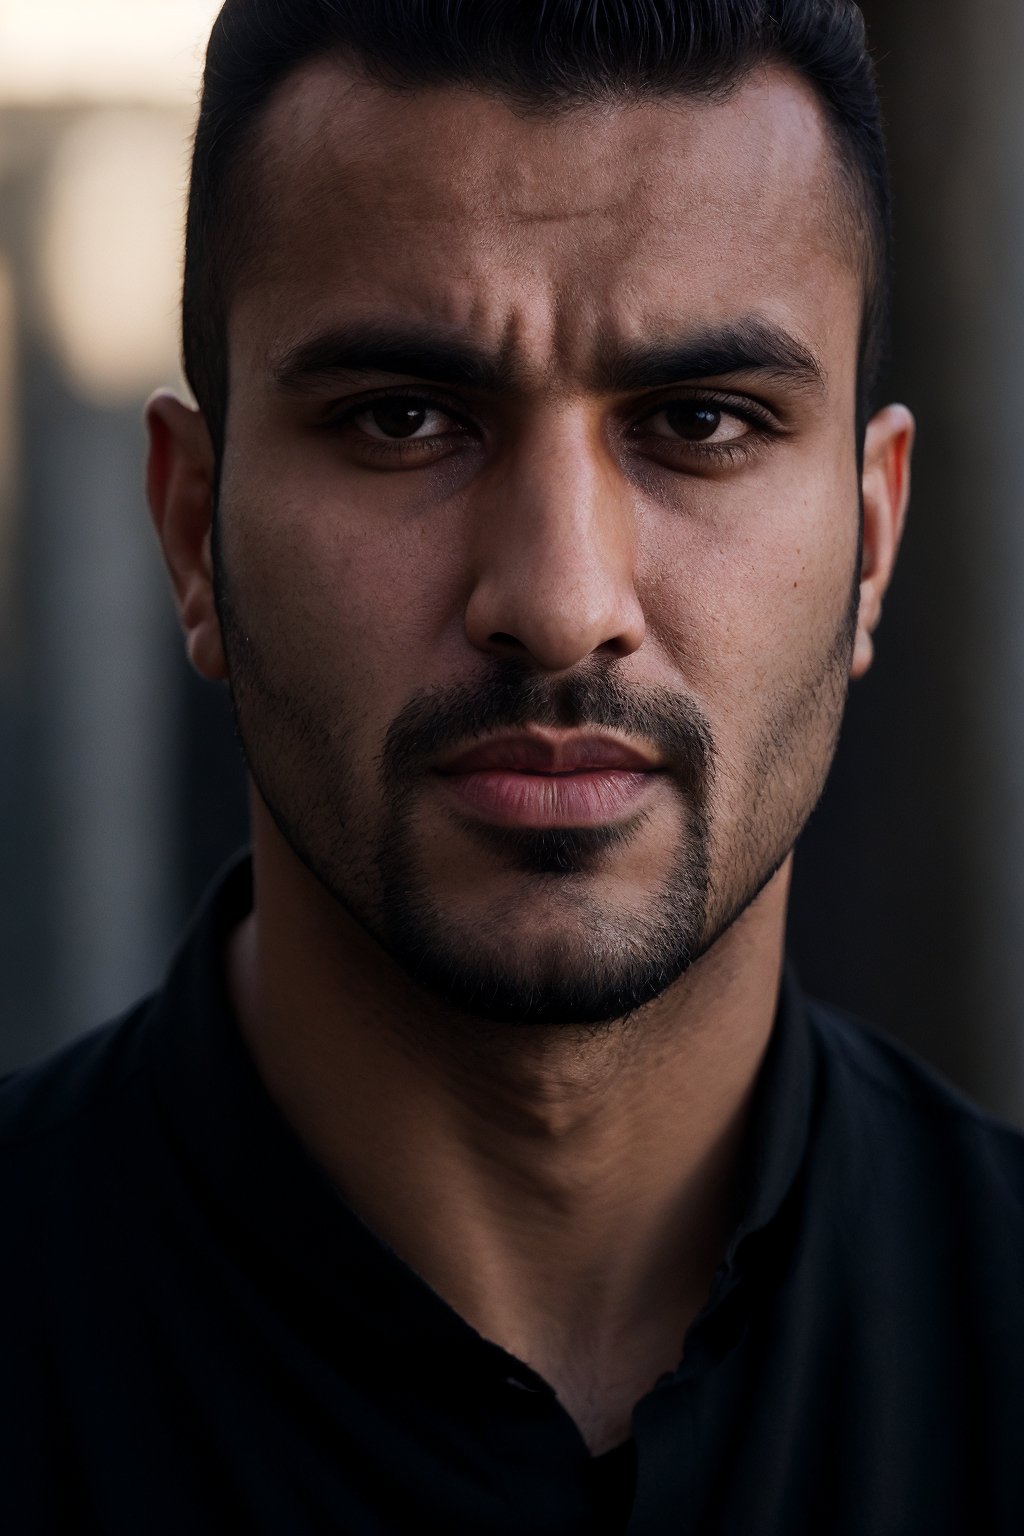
[[511, 697]]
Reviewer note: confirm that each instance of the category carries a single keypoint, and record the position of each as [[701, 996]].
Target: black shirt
[[200, 1336]]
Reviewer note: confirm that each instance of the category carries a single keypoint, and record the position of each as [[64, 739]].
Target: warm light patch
[[99, 50], [8, 448], [111, 251]]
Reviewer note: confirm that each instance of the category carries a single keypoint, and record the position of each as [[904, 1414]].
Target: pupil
[[694, 421], [398, 418]]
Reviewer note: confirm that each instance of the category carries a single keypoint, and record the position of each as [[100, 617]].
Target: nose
[[554, 551]]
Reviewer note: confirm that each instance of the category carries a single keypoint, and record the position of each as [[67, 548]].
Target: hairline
[[232, 251]]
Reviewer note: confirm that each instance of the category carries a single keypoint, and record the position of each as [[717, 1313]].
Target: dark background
[[908, 897], [122, 788]]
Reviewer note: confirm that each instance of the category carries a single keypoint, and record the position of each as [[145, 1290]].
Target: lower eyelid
[[410, 452], [682, 457]]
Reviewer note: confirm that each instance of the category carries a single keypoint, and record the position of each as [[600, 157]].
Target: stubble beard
[[580, 961], [584, 964]]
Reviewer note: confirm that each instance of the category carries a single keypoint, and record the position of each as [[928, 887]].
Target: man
[[478, 1168]]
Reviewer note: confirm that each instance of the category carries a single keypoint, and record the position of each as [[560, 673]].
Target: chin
[[588, 967]]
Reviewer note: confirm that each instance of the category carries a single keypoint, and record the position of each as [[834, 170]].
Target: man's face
[[541, 428]]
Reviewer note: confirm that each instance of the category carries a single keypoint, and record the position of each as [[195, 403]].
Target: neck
[[569, 1192]]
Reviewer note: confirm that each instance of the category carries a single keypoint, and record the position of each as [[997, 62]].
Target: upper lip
[[549, 754]]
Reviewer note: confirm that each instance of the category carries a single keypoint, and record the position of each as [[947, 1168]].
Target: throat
[[599, 1387], [570, 1196]]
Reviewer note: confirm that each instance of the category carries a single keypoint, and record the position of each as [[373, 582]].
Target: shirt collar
[[275, 1209], [780, 1117]]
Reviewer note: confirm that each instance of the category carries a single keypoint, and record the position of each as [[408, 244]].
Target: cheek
[[336, 598], [749, 600]]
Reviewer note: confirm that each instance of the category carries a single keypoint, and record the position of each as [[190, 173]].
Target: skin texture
[[570, 1081]]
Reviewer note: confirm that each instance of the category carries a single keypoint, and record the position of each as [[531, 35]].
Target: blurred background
[[121, 788]]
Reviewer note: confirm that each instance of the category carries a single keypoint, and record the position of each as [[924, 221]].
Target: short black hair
[[546, 54]]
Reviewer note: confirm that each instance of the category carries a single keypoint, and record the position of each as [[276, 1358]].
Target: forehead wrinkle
[[293, 138]]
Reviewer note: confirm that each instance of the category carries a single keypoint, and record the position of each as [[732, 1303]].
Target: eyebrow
[[752, 345], [344, 351]]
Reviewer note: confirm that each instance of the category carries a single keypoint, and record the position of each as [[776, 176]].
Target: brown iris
[[398, 418], [692, 421]]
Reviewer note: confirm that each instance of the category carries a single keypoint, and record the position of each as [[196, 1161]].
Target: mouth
[[544, 781]]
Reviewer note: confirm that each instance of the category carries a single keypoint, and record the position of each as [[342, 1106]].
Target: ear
[[888, 444], [179, 484]]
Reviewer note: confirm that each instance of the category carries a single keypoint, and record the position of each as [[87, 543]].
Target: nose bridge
[[555, 547]]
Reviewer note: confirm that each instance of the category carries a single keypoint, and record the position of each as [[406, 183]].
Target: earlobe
[[886, 492], [179, 483]]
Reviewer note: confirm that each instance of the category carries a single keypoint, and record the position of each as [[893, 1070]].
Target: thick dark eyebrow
[[749, 346], [346, 351]]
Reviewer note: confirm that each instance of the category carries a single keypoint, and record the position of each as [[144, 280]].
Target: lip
[[547, 781], [536, 754]]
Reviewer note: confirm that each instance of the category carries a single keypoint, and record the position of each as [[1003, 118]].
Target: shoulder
[[57, 1091], [58, 1115], [76, 1148], [892, 1108]]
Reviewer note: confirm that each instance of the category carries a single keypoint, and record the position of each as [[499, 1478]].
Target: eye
[[402, 419], [697, 421]]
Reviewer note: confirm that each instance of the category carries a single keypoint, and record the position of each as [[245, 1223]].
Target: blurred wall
[[120, 787], [909, 900], [120, 784]]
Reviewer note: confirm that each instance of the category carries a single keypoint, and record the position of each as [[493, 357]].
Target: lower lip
[[586, 799]]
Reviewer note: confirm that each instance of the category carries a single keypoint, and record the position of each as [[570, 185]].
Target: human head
[[543, 54], [622, 491]]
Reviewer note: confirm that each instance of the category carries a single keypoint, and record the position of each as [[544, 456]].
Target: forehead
[[544, 231]]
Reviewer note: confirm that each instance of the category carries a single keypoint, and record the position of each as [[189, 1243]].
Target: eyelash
[[398, 449], [762, 423]]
